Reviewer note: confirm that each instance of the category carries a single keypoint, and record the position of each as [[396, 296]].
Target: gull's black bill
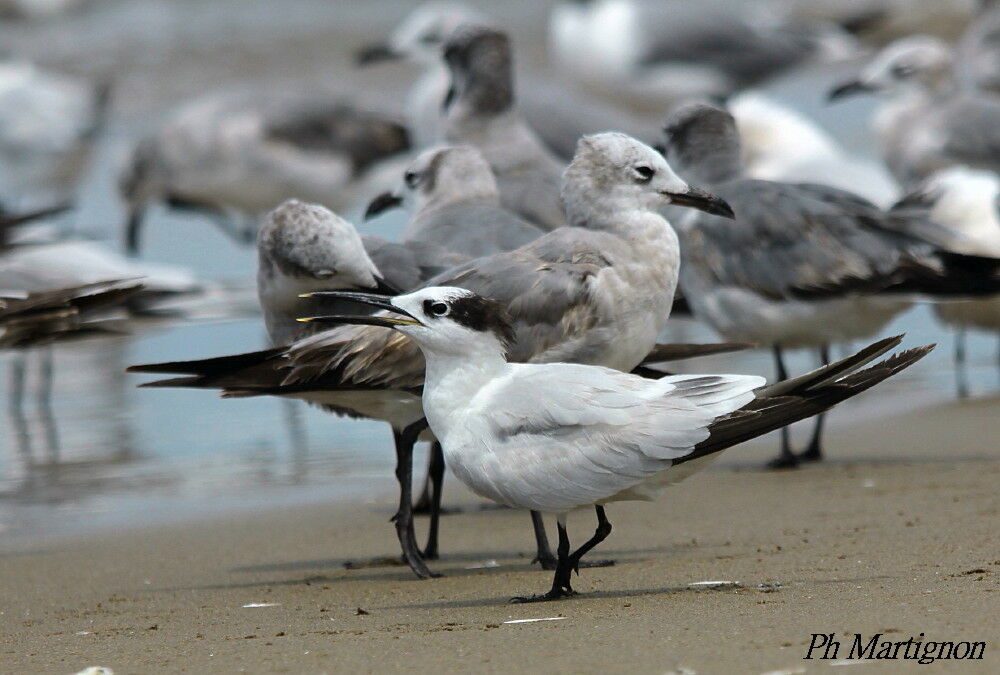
[[371, 299], [382, 202], [374, 53], [848, 89], [362, 320], [702, 200]]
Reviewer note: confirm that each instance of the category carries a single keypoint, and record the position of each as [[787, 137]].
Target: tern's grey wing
[[568, 435], [791, 239], [363, 136], [547, 287], [472, 229]]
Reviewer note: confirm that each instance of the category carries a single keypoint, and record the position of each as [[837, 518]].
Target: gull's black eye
[[430, 38], [434, 308], [643, 174], [903, 70], [411, 178]]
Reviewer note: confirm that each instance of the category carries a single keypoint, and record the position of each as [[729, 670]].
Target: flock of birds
[[551, 230]]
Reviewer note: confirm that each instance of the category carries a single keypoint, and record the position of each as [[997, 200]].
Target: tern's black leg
[[561, 587], [787, 459], [435, 476], [961, 375], [405, 440], [600, 534], [543, 555], [814, 451]]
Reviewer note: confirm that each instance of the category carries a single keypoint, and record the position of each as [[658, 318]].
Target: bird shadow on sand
[[585, 596]]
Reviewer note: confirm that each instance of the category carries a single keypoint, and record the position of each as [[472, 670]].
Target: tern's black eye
[[643, 174], [430, 38], [903, 70], [434, 308], [411, 178]]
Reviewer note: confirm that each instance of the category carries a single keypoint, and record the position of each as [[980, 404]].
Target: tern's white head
[[916, 62], [613, 173], [443, 320], [439, 176]]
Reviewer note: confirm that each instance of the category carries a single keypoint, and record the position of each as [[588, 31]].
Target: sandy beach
[[898, 535]]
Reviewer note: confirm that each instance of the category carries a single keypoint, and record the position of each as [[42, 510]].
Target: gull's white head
[[438, 176], [303, 247], [420, 36], [916, 62], [612, 173]]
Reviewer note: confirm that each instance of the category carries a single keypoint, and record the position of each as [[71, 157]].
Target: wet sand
[[898, 534]]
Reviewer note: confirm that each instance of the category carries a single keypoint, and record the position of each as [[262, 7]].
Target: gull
[[558, 114], [48, 123], [597, 293], [979, 52], [665, 52], [927, 122], [803, 264], [242, 153], [961, 207], [556, 437], [454, 202], [303, 247], [479, 110], [878, 22], [780, 143]]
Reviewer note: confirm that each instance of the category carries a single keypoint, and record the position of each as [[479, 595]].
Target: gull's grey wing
[[363, 136], [971, 130], [794, 240], [720, 38], [406, 265], [472, 229], [568, 435], [546, 287]]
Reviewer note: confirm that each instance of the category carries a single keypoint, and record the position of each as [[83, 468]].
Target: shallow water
[[108, 455]]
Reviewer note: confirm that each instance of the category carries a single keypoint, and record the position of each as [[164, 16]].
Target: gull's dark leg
[[422, 505], [405, 440], [561, 587], [43, 400], [786, 460], [814, 451], [435, 476], [543, 555], [961, 375]]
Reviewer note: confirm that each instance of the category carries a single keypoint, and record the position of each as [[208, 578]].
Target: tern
[[556, 437], [598, 293]]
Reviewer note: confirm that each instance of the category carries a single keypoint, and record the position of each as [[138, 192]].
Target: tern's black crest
[[481, 314]]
